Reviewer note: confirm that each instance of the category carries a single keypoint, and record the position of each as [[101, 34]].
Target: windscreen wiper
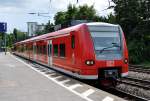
[[113, 45]]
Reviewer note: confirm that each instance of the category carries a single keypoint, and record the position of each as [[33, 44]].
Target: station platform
[[20, 81]]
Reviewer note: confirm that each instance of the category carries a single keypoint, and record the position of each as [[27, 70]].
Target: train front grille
[[109, 73]]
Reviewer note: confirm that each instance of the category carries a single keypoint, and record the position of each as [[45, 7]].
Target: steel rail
[[136, 82]]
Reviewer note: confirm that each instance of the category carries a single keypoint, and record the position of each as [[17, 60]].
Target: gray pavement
[[20, 83]]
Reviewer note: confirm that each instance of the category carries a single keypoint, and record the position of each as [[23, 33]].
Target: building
[[40, 27], [33, 27]]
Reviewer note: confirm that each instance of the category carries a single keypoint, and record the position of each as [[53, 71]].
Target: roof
[[48, 35], [100, 24]]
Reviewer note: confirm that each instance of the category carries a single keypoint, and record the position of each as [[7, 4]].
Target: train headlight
[[92, 62], [125, 61], [89, 62]]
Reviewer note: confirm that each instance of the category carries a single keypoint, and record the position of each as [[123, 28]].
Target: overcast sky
[[15, 12]]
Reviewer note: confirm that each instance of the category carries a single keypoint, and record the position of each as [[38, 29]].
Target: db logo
[[110, 63]]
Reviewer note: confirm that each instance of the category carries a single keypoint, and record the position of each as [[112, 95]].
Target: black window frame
[[62, 48], [49, 49], [55, 50], [73, 41], [44, 49]]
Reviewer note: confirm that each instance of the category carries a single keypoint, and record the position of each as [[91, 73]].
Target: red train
[[95, 51]]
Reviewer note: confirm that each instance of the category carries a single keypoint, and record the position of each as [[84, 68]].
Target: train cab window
[[62, 50], [72, 41], [55, 50]]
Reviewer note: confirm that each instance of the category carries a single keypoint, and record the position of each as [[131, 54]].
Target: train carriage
[[94, 51]]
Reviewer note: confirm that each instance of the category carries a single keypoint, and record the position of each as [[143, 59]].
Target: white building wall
[[32, 28]]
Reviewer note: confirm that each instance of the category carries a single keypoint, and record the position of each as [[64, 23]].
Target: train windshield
[[107, 41]]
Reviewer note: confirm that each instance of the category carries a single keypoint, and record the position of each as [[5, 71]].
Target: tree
[[15, 33], [60, 17], [1, 40], [84, 12], [71, 12], [49, 27], [2, 35], [10, 40], [111, 18], [21, 36], [18, 35]]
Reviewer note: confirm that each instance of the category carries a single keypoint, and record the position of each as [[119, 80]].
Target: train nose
[[109, 73]]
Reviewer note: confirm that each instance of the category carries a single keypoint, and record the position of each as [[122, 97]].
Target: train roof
[[56, 33], [101, 24], [65, 31]]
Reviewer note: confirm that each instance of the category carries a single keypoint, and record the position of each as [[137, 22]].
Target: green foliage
[[21, 36], [84, 12], [2, 40], [2, 36], [60, 17], [15, 33], [111, 18], [18, 35], [10, 40], [49, 27], [71, 13]]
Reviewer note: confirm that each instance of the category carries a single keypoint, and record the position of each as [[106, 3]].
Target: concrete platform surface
[[20, 82]]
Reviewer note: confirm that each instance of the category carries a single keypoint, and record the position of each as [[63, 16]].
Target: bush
[[138, 52]]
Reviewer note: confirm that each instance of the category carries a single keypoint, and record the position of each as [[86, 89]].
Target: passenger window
[[40, 49], [44, 48], [62, 50], [55, 50], [72, 41], [37, 49]]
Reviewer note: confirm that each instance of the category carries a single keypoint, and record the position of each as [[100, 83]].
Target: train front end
[[111, 55]]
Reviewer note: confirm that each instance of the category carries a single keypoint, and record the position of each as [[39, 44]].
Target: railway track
[[145, 84], [140, 69], [126, 95]]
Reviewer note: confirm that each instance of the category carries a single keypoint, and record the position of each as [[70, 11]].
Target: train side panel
[[72, 59]]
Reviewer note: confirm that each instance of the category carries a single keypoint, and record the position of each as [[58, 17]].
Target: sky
[[16, 12]]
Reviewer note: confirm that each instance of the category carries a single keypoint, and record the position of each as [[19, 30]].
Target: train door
[[49, 45]]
